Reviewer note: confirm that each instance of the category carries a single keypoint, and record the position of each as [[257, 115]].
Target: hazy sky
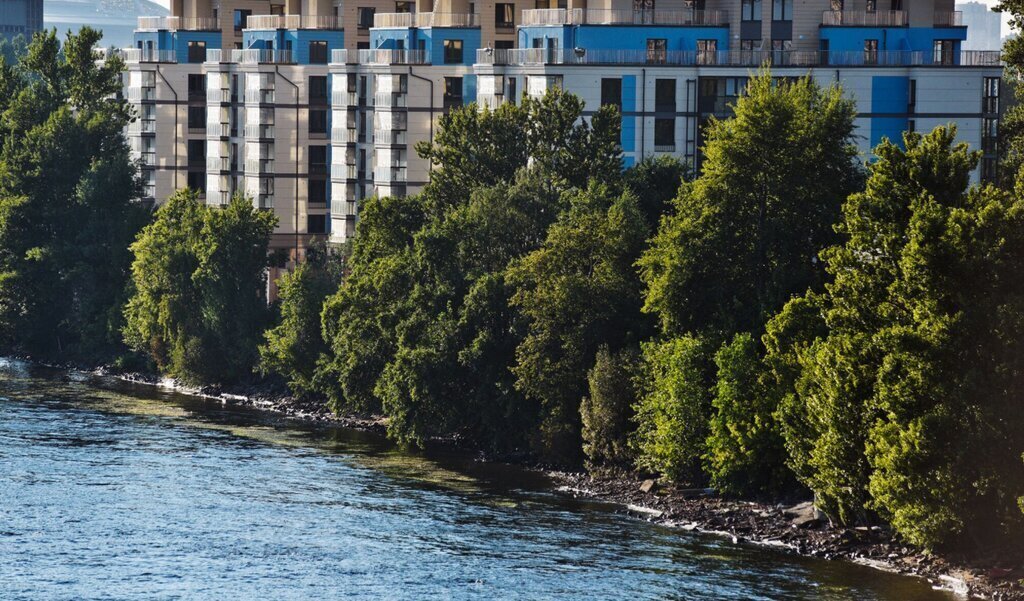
[[1006, 28]]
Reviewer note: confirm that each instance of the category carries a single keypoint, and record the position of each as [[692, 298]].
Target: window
[[317, 160], [453, 52], [990, 95], [365, 17], [318, 53], [504, 16], [316, 224], [657, 50], [989, 134], [706, 51], [196, 86], [911, 125], [318, 89], [896, 5], [943, 54], [870, 52], [196, 152], [988, 169], [665, 95], [318, 122], [404, 6], [511, 95], [452, 92], [197, 181], [870, 6], [911, 95], [665, 134], [780, 51], [782, 10], [316, 190], [196, 51], [241, 16], [611, 92], [197, 117], [751, 10], [504, 44]]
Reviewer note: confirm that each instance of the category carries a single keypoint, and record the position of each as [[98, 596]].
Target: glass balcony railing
[[601, 16], [262, 56], [177, 23], [862, 18], [406, 20], [394, 57], [293, 22]]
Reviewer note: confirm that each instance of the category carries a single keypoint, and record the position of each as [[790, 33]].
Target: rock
[[804, 515], [647, 486], [654, 513]]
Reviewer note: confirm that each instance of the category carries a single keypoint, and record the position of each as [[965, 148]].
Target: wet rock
[[647, 486]]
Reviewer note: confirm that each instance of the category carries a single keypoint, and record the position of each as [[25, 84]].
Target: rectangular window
[[318, 122], [665, 135], [316, 224], [318, 89], [318, 52], [988, 169], [780, 51], [706, 52], [989, 135], [870, 6], [504, 44], [665, 95], [316, 190], [196, 86], [782, 10], [751, 10], [990, 95], [197, 181], [241, 16], [747, 48], [452, 92], [943, 54], [657, 50], [404, 6], [511, 95], [317, 160], [911, 95], [453, 52], [196, 51], [504, 16], [365, 17], [870, 52], [196, 152], [197, 117], [611, 92]]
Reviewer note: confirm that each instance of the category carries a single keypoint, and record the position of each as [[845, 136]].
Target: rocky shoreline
[[796, 528]]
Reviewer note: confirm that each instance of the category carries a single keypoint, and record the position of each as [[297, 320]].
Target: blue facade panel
[[891, 38], [889, 98], [430, 39], [176, 41], [628, 136], [469, 88], [296, 40]]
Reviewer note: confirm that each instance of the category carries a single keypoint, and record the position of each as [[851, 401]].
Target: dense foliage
[[68, 207], [198, 296]]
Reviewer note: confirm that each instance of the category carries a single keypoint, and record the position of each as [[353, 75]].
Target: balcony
[[389, 137], [737, 58], [339, 56], [406, 20], [393, 100], [218, 164], [293, 22], [216, 129], [217, 96], [259, 165], [395, 173], [148, 158], [393, 57], [259, 96], [259, 132], [861, 18], [149, 55], [177, 23], [949, 19], [262, 56], [140, 127], [599, 16], [343, 172], [340, 98], [341, 135], [264, 201]]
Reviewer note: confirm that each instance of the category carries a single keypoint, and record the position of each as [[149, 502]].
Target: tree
[[198, 303], [295, 348], [744, 236], [1011, 125], [655, 181], [68, 201], [577, 292], [607, 410]]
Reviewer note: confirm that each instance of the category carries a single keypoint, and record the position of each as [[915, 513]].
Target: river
[[110, 490]]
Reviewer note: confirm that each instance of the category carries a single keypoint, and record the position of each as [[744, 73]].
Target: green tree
[[607, 410], [68, 201], [198, 303], [655, 181], [295, 348], [578, 291]]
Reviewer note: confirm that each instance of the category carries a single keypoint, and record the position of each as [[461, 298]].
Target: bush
[[607, 412]]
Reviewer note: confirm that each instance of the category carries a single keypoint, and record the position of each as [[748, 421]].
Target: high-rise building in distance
[[983, 26], [310, 106], [24, 17]]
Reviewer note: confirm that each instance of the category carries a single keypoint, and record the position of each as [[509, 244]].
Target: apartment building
[[20, 17], [310, 106]]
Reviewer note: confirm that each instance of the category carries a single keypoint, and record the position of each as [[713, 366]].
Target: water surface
[[116, 491]]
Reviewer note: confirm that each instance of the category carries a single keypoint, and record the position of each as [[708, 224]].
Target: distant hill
[[116, 18]]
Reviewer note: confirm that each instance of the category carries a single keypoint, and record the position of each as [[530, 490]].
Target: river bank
[[795, 529]]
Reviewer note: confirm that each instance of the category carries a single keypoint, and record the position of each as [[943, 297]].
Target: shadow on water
[[140, 492]]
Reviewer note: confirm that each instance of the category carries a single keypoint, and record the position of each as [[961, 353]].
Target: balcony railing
[[949, 19], [862, 18], [218, 164], [343, 135], [140, 126], [394, 57], [215, 129], [293, 22], [259, 165], [178, 23], [404, 20], [149, 55], [255, 56], [343, 98], [217, 96], [264, 201], [383, 175], [742, 58], [134, 94], [390, 100], [259, 131], [389, 137], [259, 96], [339, 56], [600, 16], [216, 55], [148, 159]]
